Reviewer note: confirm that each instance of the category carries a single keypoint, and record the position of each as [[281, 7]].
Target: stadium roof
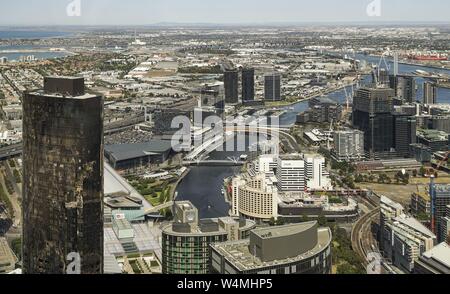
[[131, 151]]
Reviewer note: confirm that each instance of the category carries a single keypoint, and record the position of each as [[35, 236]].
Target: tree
[[304, 219], [322, 220], [272, 221], [359, 178], [422, 171], [280, 222]]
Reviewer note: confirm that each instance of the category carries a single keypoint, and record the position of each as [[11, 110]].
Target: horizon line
[[236, 24]]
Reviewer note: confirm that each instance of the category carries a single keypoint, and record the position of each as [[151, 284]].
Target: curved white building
[[255, 197]]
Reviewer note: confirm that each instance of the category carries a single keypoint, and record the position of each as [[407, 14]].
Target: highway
[[10, 151]]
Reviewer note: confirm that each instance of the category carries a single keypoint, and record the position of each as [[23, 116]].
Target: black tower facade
[[63, 178], [248, 84], [231, 84], [372, 114]]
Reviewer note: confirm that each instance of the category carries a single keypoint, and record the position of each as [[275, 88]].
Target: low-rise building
[[306, 249], [434, 261], [126, 156]]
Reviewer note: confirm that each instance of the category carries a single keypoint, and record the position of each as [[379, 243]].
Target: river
[[202, 186]]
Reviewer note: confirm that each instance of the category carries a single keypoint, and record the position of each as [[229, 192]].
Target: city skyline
[[113, 12]]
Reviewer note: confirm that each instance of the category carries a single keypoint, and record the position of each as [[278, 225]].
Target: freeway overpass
[[10, 151]]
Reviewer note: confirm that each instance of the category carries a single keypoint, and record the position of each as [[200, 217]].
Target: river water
[[202, 186]]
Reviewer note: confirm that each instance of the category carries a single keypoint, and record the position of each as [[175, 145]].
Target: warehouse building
[[126, 156]]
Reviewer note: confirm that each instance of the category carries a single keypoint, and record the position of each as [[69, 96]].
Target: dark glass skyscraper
[[429, 93], [404, 86], [272, 86], [248, 84], [63, 178], [372, 114], [231, 84], [405, 133]]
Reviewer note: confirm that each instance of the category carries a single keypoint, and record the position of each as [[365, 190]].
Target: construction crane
[[445, 159]]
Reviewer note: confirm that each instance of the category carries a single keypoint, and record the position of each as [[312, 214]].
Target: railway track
[[361, 237], [361, 234]]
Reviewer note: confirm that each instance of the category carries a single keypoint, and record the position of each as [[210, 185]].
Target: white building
[[403, 239], [266, 163], [317, 177], [303, 173], [291, 174], [255, 197], [348, 145]]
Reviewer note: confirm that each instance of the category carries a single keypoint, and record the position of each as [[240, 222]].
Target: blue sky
[[142, 12]]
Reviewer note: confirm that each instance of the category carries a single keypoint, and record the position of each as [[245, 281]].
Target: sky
[[147, 12]]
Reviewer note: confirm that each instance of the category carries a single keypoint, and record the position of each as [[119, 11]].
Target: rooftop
[[197, 231], [433, 135], [442, 188], [415, 225], [272, 232], [131, 151], [42, 93], [440, 253], [238, 253]]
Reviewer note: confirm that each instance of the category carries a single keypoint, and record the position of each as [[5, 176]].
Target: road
[[15, 204], [10, 175]]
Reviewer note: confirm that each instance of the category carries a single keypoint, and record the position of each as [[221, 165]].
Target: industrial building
[[185, 242], [63, 177], [292, 249], [126, 156]]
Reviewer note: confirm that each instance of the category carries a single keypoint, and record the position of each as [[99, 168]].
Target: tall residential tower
[[63, 179]]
